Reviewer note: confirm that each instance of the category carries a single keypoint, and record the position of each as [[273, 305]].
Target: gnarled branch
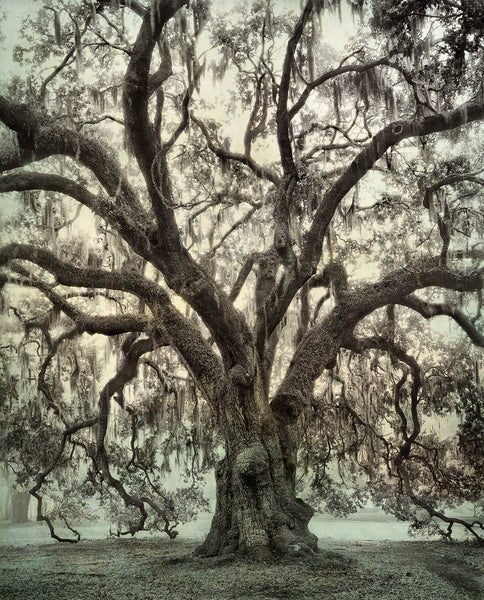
[[39, 137], [319, 347], [183, 335], [389, 136], [429, 310], [259, 170], [131, 230], [282, 114]]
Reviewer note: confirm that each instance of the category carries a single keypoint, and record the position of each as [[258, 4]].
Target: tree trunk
[[19, 506], [257, 512]]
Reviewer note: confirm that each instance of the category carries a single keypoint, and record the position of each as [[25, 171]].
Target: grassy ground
[[155, 569]]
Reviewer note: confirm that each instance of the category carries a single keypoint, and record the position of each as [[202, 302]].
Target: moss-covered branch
[[131, 229], [389, 136], [319, 347], [39, 136], [181, 333]]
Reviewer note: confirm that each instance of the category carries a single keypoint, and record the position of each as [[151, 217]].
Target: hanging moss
[[357, 9], [196, 427], [77, 38], [390, 103], [93, 13], [151, 416], [180, 403], [57, 28], [114, 95], [337, 101], [74, 378]]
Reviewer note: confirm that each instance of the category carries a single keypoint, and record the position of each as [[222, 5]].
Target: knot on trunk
[[335, 276], [241, 376], [252, 462]]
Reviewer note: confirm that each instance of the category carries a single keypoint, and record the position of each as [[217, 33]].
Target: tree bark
[[257, 512]]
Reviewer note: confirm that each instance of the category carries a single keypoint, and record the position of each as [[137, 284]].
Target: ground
[[155, 569]]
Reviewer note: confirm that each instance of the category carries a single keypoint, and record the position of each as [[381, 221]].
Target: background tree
[[360, 172]]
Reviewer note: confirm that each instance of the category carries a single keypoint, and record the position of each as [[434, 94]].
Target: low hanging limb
[[133, 225], [84, 322], [137, 464], [403, 455], [43, 476], [180, 331], [125, 374], [471, 526], [66, 436]]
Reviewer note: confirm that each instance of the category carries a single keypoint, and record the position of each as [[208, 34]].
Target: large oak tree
[[327, 143]]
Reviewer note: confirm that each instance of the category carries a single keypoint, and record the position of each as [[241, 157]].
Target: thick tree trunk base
[[257, 513]]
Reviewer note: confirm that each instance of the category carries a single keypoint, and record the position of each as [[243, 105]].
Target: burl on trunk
[[257, 512]]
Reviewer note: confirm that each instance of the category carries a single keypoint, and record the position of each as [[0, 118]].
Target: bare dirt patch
[[156, 569]]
